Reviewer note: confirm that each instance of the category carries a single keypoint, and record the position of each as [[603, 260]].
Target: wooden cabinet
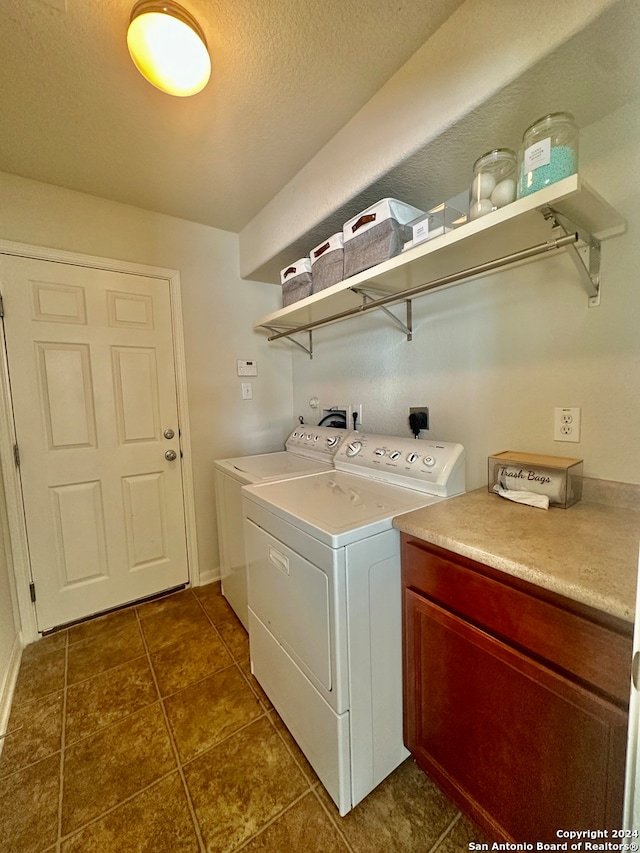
[[515, 698]]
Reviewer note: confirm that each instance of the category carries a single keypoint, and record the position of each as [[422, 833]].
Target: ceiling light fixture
[[168, 47]]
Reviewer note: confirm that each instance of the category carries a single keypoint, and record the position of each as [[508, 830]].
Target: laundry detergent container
[[327, 262], [296, 281], [376, 234]]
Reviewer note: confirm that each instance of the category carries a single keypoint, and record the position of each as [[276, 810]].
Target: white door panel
[[92, 374]]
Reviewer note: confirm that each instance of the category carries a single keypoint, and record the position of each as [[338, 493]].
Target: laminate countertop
[[588, 552]]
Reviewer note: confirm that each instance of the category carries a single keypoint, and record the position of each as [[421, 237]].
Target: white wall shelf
[[568, 215]]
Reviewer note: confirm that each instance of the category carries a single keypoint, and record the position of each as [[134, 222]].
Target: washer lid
[[270, 466], [336, 507]]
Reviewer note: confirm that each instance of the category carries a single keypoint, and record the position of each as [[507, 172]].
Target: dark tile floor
[[144, 730]]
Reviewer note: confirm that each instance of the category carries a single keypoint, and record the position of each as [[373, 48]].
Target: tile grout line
[[311, 785], [63, 734], [194, 819], [108, 669], [159, 701], [215, 628], [445, 833], [333, 820], [273, 820], [223, 740], [78, 829], [179, 766], [265, 714], [266, 711]]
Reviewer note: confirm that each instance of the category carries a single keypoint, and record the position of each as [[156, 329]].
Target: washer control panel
[[316, 442], [435, 467]]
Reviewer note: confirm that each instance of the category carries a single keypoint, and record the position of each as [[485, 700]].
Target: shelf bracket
[[283, 334], [585, 256], [558, 242], [405, 327]]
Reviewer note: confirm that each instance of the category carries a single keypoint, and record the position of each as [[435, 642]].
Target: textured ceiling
[[287, 75], [591, 74]]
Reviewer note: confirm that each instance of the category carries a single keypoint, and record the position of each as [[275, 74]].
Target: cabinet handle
[[635, 667], [279, 560]]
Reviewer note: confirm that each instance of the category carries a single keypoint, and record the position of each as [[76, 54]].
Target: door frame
[[17, 524]]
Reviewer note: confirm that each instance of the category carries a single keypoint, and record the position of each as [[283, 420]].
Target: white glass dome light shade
[[168, 48]]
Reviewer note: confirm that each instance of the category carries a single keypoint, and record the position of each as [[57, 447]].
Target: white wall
[[482, 48], [218, 309], [10, 641], [493, 358]]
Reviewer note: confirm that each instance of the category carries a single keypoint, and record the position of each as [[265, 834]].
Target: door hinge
[[32, 592], [16, 455]]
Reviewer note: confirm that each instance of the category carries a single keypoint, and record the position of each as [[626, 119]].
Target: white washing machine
[[325, 632], [308, 450]]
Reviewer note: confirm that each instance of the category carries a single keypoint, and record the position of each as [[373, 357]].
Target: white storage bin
[[296, 281], [327, 262], [376, 234]]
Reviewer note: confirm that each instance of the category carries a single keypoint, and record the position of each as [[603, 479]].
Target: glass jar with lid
[[494, 182], [549, 152]]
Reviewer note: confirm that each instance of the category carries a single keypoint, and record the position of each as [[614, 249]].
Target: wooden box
[[558, 477]]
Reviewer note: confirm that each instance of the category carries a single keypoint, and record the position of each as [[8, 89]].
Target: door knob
[[170, 455], [169, 433]]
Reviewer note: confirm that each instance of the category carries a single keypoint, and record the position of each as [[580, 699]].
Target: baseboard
[[8, 685], [209, 577]]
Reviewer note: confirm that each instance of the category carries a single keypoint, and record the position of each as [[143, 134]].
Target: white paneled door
[[93, 385]]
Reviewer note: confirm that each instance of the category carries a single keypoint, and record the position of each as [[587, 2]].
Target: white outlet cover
[[566, 424]]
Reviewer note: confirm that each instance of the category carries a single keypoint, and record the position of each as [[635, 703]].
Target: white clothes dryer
[[325, 632], [308, 450]]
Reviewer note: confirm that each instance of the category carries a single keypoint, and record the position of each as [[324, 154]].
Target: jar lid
[[495, 155], [549, 118]]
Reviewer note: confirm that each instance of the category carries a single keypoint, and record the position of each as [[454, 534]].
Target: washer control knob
[[395, 454], [380, 451], [353, 448], [429, 461], [332, 441], [411, 457]]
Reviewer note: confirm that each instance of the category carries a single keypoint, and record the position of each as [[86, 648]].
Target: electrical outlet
[[344, 412], [418, 419], [423, 415], [566, 424]]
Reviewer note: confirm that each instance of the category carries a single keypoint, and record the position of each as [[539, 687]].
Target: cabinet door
[[523, 750]]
